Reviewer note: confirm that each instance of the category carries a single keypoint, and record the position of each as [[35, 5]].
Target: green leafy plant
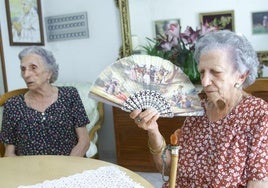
[[178, 47], [175, 45]]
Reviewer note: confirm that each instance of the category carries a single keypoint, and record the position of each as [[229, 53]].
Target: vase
[[190, 68]]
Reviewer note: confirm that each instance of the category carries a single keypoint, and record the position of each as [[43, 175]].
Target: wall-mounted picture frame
[[3, 75], [263, 67], [260, 22], [24, 19], [221, 20], [162, 26], [67, 27]]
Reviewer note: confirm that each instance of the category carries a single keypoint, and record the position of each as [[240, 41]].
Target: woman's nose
[[205, 80], [26, 73]]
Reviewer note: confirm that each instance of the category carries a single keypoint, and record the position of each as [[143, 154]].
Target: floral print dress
[[226, 153], [49, 133]]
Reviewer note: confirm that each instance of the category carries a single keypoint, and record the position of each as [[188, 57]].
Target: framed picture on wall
[[162, 26], [260, 22], [263, 67], [24, 19], [221, 20]]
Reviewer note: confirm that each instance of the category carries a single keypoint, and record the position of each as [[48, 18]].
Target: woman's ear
[[243, 77], [49, 76]]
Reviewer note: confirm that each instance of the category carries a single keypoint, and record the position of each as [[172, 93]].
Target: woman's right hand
[[9, 150], [146, 119]]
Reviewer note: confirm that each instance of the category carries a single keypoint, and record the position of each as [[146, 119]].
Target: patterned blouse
[[49, 133], [226, 153]]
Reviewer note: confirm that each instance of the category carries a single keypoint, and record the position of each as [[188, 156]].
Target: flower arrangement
[[178, 47]]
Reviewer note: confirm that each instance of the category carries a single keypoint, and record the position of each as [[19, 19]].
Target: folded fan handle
[[174, 158], [174, 166]]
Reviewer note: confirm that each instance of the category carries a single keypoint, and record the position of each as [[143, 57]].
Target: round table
[[29, 170]]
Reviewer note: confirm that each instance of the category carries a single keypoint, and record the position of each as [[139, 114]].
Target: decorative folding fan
[[143, 81]]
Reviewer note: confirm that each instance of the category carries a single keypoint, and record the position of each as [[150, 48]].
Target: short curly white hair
[[241, 52]]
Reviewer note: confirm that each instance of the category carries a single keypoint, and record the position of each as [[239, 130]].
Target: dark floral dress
[[49, 133], [226, 153]]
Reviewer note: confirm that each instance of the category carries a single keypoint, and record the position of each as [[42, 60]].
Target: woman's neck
[[221, 108], [42, 92], [41, 99]]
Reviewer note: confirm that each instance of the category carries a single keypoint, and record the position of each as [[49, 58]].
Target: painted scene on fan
[[143, 81]]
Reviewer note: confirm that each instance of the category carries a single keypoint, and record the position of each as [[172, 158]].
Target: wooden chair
[[92, 131], [3, 99], [259, 88]]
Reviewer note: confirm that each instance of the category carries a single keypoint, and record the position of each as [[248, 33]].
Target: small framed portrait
[[162, 26], [263, 67], [24, 19], [221, 20], [260, 22]]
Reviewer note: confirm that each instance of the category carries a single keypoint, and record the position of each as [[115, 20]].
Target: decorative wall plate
[[143, 81]]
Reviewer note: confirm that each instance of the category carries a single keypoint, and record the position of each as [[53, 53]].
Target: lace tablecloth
[[109, 176]]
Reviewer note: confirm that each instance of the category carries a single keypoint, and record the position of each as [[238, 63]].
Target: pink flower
[[175, 45], [190, 36]]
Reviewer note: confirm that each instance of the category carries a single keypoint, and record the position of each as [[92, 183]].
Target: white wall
[[79, 60], [147, 11]]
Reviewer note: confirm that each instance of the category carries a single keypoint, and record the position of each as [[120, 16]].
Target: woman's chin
[[30, 86]]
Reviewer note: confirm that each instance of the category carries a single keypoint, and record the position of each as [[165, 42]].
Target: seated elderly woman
[[228, 145], [47, 120]]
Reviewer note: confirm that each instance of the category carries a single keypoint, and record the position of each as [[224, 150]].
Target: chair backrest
[[259, 88], [3, 99], [7, 95]]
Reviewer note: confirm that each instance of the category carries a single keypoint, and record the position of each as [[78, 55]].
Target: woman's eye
[[201, 72], [22, 69], [215, 72], [33, 67]]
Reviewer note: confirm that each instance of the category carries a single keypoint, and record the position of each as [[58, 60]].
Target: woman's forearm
[[157, 144], [257, 184], [80, 149], [83, 142]]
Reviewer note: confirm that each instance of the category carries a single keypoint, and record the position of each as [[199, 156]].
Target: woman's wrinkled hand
[[145, 119]]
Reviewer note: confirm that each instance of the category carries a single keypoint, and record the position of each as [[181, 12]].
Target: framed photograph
[[162, 26], [221, 20], [263, 67], [24, 19], [260, 22]]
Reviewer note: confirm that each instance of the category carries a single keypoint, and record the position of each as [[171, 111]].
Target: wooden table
[[29, 170]]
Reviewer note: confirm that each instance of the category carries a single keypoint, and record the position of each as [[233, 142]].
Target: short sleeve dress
[[49, 133], [226, 153]]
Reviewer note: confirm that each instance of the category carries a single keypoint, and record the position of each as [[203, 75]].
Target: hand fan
[[144, 81]]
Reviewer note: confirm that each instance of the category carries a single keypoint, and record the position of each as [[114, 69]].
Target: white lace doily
[[110, 177]]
